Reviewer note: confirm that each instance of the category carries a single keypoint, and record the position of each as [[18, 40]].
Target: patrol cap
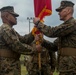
[[9, 9], [65, 4]]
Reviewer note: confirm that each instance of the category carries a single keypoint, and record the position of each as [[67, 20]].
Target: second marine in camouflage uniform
[[66, 33]]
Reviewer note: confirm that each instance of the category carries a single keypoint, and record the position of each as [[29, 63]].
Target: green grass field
[[23, 68]]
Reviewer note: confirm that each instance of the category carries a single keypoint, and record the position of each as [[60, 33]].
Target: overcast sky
[[25, 8]]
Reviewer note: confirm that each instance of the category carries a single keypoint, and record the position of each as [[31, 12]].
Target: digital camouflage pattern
[[48, 62], [66, 33], [12, 45], [9, 66]]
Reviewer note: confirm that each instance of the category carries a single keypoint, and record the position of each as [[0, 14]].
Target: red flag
[[42, 8]]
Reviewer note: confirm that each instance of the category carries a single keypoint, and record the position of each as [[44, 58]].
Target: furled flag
[[42, 8]]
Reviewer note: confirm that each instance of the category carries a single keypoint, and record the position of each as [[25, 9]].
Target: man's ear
[[6, 15], [69, 9]]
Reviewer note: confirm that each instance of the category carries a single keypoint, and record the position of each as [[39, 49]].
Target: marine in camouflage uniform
[[66, 33], [48, 62], [12, 45]]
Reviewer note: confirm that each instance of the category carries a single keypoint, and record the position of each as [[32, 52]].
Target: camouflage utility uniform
[[48, 62], [66, 33], [12, 45]]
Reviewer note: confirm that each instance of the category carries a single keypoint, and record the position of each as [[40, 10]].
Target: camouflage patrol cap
[[65, 4], [9, 9]]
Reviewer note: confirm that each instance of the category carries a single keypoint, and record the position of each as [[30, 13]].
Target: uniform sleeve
[[28, 38], [49, 45], [52, 60], [57, 31], [13, 43]]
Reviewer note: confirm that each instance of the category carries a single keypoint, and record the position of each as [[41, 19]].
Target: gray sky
[[25, 8]]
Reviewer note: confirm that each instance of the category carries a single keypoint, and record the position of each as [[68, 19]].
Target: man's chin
[[61, 19], [15, 24]]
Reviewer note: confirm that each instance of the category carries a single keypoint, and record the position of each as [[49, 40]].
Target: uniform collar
[[69, 20]]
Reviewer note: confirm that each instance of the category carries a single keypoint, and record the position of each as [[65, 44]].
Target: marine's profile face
[[63, 14], [12, 19]]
